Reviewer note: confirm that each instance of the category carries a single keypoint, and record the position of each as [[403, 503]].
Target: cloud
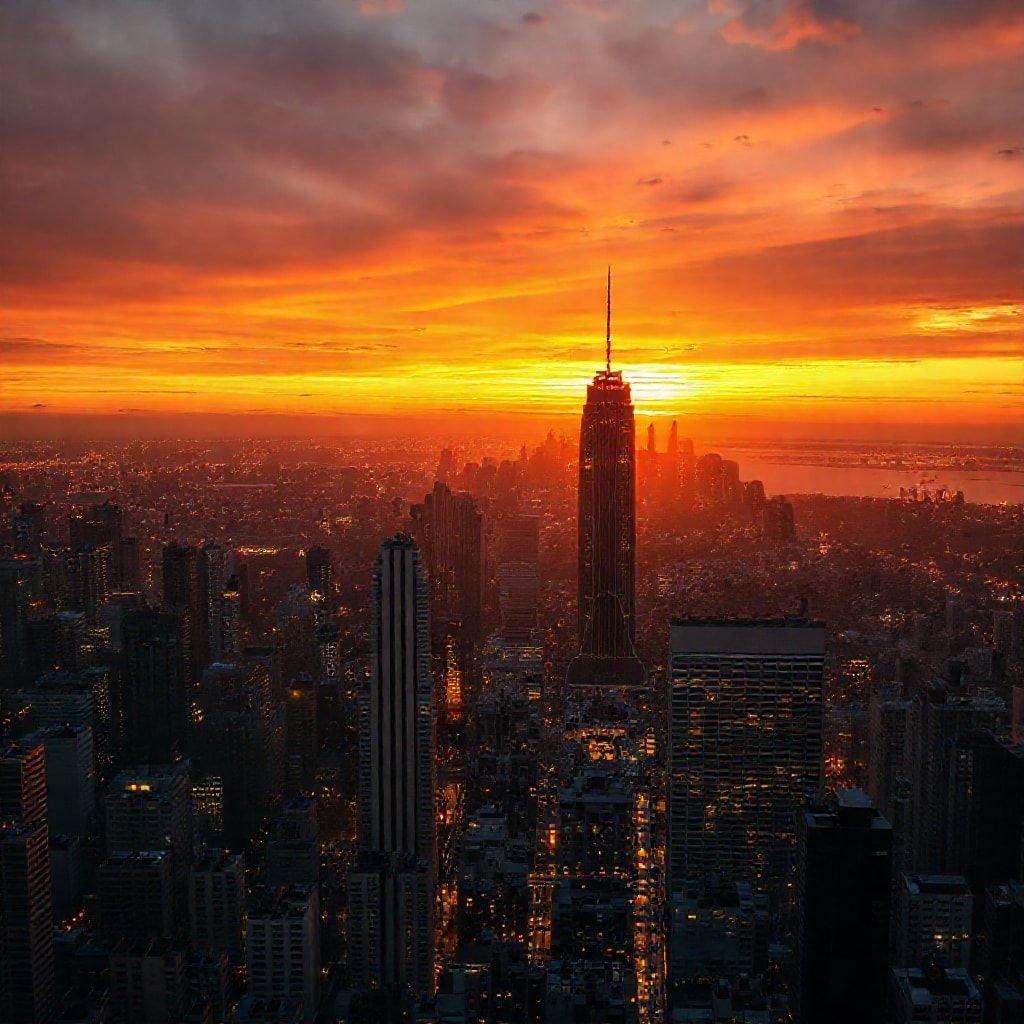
[[228, 185], [784, 24]]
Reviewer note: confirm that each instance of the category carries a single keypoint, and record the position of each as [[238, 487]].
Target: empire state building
[[607, 533]]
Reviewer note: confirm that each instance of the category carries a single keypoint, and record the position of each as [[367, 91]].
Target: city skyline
[[376, 647], [386, 210]]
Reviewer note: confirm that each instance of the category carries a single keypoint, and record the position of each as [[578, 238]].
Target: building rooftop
[[937, 885]]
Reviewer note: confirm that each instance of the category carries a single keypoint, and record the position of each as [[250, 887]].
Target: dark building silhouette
[[136, 897], [607, 533], [450, 532], [18, 578], [843, 901], [27, 972], [154, 696], [518, 576]]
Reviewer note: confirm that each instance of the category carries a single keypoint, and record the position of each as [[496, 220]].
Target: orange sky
[[813, 207]]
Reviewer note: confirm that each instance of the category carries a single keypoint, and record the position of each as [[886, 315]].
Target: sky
[[378, 208]]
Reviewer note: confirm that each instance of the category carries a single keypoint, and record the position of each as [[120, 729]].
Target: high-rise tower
[[391, 889], [744, 746], [607, 532]]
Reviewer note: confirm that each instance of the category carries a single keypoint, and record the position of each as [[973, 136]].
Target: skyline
[[375, 210]]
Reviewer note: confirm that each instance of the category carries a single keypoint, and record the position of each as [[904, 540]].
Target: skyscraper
[[27, 975], [216, 895], [396, 716], [392, 940], [745, 745], [607, 533], [27, 972], [282, 947], [843, 895], [154, 699], [518, 577], [450, 531], [70, 778]]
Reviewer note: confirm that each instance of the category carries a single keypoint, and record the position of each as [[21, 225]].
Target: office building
[[23, 782], [518, 575], [396, 737], [933, 920], [940, 745], [449, 530], [301, 741], [70, 778], [282, 947], [154, 700], [718, 931], [135, 893], [293, 849], [89, 580], [745, 747], [216, 898], [844, 886], [148, 983], [149, 808], [934, 994], [27, 971]]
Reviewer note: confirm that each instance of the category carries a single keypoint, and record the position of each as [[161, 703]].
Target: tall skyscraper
[[745, 746], [18, 577], [89, 578], [23, 782], [150, 809], [396, 738], [27, 974], [607, 533], [518, 577], [844, 886], [70, 778], [182, 595], [213, 577], [450, 532], [392, 940], [154, 696], [944, 721]]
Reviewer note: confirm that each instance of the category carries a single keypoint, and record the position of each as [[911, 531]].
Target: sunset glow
[[813, 209]]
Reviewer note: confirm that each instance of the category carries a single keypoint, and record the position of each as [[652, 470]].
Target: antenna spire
[[608, 325]]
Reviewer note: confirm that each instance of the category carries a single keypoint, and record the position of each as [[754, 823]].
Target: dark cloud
[[963, 258]]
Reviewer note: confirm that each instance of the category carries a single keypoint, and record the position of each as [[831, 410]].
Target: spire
[[608, 325]]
